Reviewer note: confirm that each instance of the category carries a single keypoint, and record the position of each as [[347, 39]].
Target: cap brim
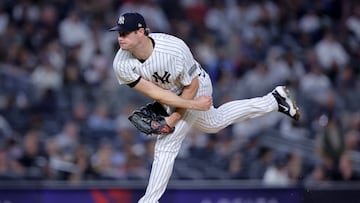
[[120, 28], [116, 28]]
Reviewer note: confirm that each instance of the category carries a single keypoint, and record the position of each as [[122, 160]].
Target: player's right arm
[[189, 78], [167, 97], [189, 92]]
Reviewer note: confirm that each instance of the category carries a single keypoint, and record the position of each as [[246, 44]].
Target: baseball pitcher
[[162, 67]]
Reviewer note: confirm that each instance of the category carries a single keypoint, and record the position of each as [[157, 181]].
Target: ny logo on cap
[[121, 20]]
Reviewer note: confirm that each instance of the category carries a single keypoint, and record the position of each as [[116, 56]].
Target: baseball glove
[[150, 119]]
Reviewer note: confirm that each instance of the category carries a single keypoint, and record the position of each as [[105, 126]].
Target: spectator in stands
[[277, 173], [106, 163], [346, 86], [310, 23], [32, 158], [100, 120], [353, 22], [331, 54], [279, 71], [260, 72], [54, 159], [315, 84], [68, 139], [5, 128], [135, 167], [259, 166], [235, 167], [346, 168], [75, 33], [216, 21], [295, 168], [126, 134], [83, 167], [352, 140], [79, 114], [74, 84], [317, 175], [11, 169], [296, 67], [46, 104], [249, 150], [331, 145], [5, 167], [45, 76]]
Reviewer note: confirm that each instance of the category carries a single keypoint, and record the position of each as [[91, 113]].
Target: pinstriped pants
[[211, 121]]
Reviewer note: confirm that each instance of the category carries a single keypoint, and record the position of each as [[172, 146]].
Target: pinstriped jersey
[[171, 65]]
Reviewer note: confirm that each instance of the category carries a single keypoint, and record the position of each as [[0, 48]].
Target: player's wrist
[[192, 104], [171, 120]]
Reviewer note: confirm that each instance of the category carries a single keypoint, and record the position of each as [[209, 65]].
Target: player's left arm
[[189, 92]]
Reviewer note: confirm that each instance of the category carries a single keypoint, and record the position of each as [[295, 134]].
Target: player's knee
[[212, 130]]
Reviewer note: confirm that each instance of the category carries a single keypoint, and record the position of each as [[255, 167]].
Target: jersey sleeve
[[187, 64], [125, 74]]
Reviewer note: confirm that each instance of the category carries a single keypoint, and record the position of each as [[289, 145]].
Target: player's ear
[[145, 31], [141, 30]]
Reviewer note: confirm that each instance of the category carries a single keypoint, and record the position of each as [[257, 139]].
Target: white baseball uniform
[[172, 66]]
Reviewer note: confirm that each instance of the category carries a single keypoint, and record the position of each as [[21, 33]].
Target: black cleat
[[285, 104]]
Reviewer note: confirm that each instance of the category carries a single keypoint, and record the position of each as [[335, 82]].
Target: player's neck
[[144, 50]]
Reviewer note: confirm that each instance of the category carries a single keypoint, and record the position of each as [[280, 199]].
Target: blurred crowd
[[63, 115]]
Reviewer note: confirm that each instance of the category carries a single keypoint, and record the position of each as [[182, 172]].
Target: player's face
[[128, 40]]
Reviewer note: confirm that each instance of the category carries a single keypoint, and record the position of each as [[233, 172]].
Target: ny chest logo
[[164, 78]]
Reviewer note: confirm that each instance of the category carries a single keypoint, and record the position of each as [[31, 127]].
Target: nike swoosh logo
[[284, 107]]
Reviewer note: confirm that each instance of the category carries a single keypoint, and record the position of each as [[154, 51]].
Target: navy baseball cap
[[128, 22]]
